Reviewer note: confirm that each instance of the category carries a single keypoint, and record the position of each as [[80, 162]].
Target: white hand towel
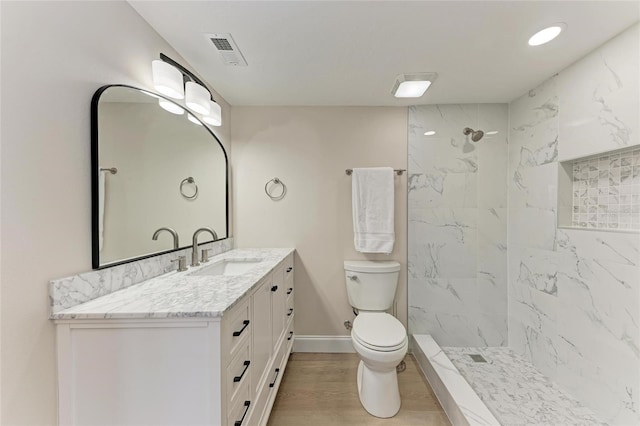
[[102, 181], [373, 206]]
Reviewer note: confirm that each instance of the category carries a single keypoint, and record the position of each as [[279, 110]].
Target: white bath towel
[[373, 206], [102, 181]]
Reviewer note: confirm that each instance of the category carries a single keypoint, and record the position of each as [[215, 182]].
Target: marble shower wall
[[574, 294], [457, 257]]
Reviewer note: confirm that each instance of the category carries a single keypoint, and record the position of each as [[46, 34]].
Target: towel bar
[[399, 172]]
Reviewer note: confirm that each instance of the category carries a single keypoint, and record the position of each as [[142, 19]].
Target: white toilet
[[379, 338]]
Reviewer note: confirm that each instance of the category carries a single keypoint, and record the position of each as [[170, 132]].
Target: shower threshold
[[495, 386]]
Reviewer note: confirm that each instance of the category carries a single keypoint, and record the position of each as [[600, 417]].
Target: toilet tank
[[371, 286]]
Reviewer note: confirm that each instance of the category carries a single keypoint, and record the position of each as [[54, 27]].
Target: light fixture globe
[[194, 120], [214, 117], [197, 98], [170, 106], [167, 79]]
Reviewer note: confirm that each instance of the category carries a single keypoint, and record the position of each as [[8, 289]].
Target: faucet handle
[[182, 263], [205, 255]]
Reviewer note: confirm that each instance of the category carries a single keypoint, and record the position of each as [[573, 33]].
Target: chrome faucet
[[176, 239], [194, 249]]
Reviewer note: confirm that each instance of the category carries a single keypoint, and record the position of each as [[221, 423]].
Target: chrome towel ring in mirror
[[183, 183], [275, 181]]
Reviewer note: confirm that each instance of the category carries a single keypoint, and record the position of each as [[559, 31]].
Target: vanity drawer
[[238, 371], [236, 329], [289, 335], [241, 408], [288, 287], [289, 310], [288, 266]]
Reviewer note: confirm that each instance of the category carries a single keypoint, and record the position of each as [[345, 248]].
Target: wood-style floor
[[320, 389]]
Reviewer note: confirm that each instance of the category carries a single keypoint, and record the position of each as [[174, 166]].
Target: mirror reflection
[[154, 169]]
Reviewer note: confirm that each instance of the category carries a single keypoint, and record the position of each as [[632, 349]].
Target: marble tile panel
[[534, 187], [458, 329], [447, 120], [537, 348], [443, 243], [532, 227], [599, 99], [492, 245], [615, 247], [610, 388], [492, 175]]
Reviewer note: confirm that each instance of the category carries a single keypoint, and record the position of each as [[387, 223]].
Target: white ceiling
[[349, 52]]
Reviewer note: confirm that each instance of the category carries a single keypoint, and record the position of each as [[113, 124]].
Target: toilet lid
[[379, 331]]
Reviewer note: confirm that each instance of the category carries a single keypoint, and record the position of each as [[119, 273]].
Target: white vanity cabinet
[[179, 371]]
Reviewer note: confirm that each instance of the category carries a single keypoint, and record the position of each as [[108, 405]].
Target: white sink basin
[[228, 267]]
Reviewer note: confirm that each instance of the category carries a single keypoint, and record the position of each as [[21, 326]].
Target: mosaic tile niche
[[605, 191]]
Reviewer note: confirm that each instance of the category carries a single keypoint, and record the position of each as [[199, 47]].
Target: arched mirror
[[153, 166]]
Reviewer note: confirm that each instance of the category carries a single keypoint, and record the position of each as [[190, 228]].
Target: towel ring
[[275, 181], [185, 181]]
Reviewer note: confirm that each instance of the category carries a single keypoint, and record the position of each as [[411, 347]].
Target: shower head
[[476, 135]]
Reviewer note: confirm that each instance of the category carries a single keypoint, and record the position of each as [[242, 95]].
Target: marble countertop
[[180, 295]]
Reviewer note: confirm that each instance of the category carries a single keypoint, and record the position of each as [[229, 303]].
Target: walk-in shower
[[553, 311]]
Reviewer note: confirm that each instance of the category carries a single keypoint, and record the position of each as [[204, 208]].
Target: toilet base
[[378, 391]]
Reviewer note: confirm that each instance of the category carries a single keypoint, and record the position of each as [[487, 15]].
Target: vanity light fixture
[[412, 85], [197, 98], [173, 80], [547, 34], [171, 107], [430, 133], [167, 79], [215, 115]]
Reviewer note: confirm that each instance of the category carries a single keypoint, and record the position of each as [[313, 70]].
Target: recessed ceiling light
[[491, 132], [412, 85], [430, 133], [547, 34]]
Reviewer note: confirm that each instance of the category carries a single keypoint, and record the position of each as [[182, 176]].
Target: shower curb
[[462, 405]]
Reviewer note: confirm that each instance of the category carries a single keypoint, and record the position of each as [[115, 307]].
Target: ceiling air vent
[[228, 49]]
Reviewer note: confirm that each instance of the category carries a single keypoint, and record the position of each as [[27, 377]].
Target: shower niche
[[601, 191]]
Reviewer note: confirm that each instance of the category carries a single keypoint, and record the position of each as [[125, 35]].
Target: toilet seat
[[379, 331]]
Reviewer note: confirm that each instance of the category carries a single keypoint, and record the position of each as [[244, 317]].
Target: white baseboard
[[323, 344]]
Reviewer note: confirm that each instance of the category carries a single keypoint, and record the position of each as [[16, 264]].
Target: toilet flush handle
[[352, 277]]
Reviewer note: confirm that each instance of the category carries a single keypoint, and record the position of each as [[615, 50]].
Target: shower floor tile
[[517, 393]]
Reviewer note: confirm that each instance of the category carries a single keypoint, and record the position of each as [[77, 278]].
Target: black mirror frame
[[95, 244]]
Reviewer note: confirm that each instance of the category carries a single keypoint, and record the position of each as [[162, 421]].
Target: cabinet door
[[278, 298], [262, 346]]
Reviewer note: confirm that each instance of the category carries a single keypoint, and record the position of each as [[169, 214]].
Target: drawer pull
[[239, 332], [246, 366], [272, 384], [290, 312], [290, 335], [274, 288], [290, 290], [246, 410], [289, 269]]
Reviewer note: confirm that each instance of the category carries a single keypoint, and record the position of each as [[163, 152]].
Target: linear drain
[[477, 358]]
